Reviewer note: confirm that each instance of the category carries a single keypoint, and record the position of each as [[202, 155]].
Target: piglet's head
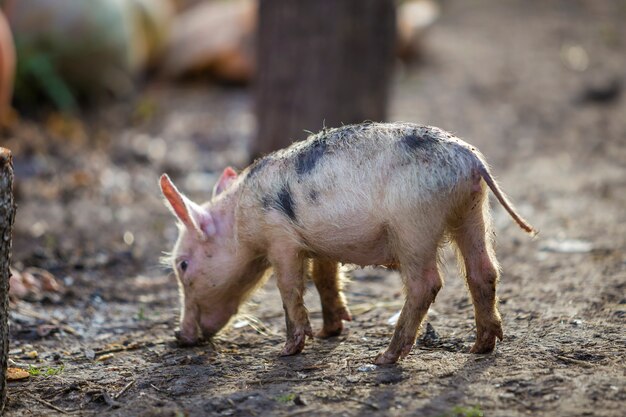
[[204, 260]]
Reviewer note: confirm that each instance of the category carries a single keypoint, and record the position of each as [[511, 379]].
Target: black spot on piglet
[[284, 202], [416, 142], [266, 202], [308, 157]]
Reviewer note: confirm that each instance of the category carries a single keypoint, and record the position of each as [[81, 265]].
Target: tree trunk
[[7, 214], [321, 63]]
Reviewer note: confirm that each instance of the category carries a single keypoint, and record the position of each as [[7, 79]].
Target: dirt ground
[[537, 86]]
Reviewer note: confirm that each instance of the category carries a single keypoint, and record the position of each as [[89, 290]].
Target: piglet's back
[[363, 164]]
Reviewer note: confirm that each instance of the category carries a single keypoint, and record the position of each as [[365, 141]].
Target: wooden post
[[7, 215], [321, 62]]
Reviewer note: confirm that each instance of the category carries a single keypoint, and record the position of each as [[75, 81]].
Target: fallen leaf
[[16, 374], [104, 357], [33, 283], [114, 346], [32, 354], [47, 280]]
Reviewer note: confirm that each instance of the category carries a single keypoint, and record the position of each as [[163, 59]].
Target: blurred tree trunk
[[7, 214], [321, 62]]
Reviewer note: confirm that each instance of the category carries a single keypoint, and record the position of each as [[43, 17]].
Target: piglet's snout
[[184, 340]]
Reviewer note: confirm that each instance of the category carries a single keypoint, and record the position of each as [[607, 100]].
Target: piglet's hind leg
[[334, 310], [422, 285], [481, 271]]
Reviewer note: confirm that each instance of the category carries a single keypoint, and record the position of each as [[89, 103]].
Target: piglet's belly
[[381, 257], [371, 249]]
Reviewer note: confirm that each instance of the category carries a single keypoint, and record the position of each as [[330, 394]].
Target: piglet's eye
[[183, 265]]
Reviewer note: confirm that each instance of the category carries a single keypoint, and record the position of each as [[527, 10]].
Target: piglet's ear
[[228, 176], [191, 215]]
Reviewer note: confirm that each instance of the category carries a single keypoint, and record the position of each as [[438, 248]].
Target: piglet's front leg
[[289, 271]]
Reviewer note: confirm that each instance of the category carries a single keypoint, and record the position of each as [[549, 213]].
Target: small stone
[[430, 336], [367, 368], [299, 400]]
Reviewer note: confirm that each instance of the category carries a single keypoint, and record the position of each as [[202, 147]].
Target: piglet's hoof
[[333, 324], [330, 331], [344, 314], [386, 358], [486, 343], [391, 356], [295, 344]]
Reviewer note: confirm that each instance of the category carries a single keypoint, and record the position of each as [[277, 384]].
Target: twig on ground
[[371, 405], [278, 380], [158, 389], [574, 361], [300, 412], [122, 348], [126, 388], [110, 401], [46, 403]]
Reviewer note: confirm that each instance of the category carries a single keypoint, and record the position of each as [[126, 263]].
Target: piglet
[[387, 194]]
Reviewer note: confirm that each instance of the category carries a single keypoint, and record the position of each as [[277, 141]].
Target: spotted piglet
[[370, 194]]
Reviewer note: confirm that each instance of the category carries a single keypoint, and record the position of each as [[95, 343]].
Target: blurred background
[[99, 97]]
